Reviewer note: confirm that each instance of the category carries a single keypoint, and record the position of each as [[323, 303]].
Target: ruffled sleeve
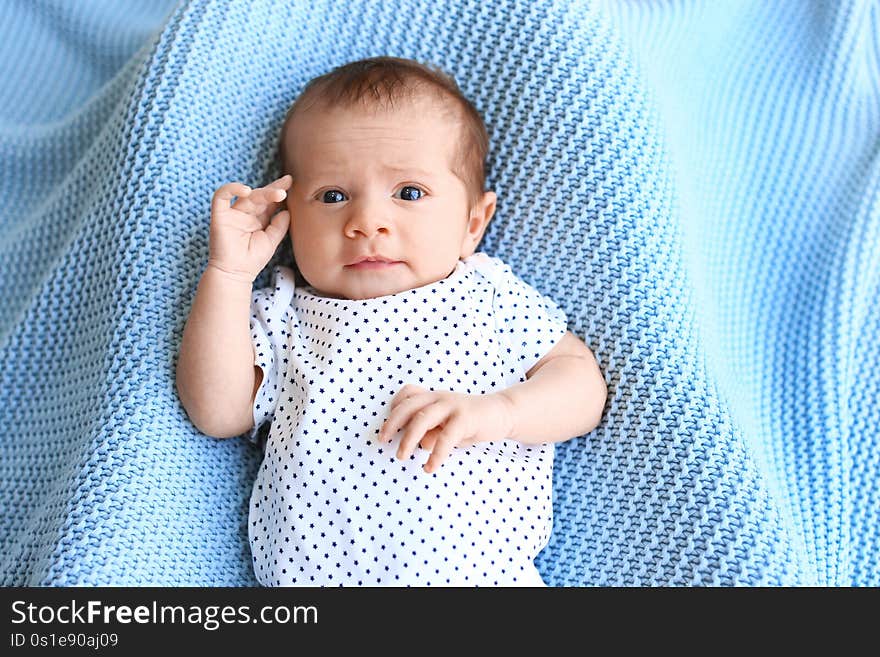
[[528, 323], [271, 312]]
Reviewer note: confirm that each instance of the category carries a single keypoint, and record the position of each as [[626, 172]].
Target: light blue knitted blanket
[[697, 184]]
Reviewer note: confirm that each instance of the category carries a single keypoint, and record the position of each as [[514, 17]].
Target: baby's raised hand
[[244, 235], [439, 421]]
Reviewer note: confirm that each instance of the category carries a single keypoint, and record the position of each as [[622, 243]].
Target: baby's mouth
[[373, 264]]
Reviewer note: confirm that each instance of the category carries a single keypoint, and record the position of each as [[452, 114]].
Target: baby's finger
[[268, 194], [429, 439], [253, 202], [277, 228], [444, 444], [427, 418], [284, 182], [223, 196], [407, 391], [400, 415], [267, 200], [259, 201]]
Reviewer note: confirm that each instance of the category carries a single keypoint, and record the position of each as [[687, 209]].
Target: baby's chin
[[373, 291], [370, 286], [360, 290], [359, 285]]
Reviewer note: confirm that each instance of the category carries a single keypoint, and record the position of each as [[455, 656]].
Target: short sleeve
[[271, 312], [528, 322]]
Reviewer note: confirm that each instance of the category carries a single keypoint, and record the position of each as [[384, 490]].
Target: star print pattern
[[332, 506]]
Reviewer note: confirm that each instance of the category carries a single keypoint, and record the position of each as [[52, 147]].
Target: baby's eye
[[333, 196], [411, 193]]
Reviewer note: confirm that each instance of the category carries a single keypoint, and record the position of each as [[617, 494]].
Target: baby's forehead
[[425, 107], [438, 128]]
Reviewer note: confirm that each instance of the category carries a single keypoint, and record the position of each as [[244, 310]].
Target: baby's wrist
[[507, 413], [234, 276]]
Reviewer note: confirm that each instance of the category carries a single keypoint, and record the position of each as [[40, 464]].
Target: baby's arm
[[216, 376], [563, 396], [217, 379]]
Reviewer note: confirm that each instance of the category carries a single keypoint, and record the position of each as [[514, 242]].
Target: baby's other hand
[[439, 421], [244, 235]]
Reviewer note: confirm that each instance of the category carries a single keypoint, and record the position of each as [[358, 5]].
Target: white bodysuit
[[333, 506]]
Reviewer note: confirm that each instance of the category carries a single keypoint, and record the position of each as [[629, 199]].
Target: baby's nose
[[367, 222]]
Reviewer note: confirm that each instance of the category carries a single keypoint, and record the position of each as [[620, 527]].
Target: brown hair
[[384, 80]]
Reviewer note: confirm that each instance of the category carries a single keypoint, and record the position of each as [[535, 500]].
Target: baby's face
[[378, 184]]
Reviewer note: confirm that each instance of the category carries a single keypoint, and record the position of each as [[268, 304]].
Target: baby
[[412, 388]]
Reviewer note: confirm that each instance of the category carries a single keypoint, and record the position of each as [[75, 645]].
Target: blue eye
[[410, 193], [333, 196]]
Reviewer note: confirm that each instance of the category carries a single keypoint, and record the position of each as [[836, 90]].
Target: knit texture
[[696, 184]]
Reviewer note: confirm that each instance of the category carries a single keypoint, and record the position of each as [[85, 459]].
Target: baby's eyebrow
[[415, 170], [329, 173]]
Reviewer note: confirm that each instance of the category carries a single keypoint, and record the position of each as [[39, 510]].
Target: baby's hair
[[380, 82]]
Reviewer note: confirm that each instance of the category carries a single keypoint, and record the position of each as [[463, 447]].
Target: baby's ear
[[480, 216]]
